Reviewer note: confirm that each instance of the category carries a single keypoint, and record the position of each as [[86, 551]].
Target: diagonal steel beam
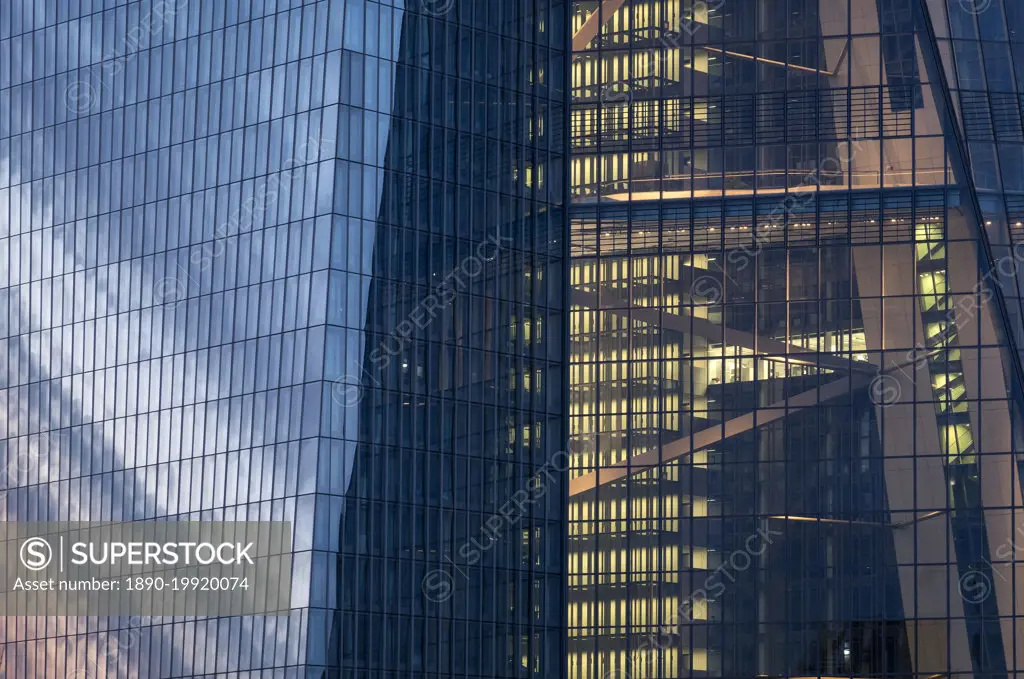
[[708, 437], [590, 28], [687, 323], [853, 522], [781, 64]]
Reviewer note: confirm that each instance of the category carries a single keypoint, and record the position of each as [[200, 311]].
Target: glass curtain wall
[[300, 261], [981, 45], [443, 509], [794, 387]]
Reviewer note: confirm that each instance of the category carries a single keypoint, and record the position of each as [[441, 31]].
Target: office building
[[294, 261], [795, 387]]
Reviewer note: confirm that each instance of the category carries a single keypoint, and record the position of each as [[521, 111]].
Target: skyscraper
[[795, 383], [295, 261]]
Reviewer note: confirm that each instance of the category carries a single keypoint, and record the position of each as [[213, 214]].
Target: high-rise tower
[[301, 261], [795, 384]]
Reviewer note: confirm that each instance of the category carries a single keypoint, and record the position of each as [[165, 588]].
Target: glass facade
[[981, 45], [446, 368], [795, 388], [301, 261]]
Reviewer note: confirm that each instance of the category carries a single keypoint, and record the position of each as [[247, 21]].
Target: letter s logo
[[36, 554]]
